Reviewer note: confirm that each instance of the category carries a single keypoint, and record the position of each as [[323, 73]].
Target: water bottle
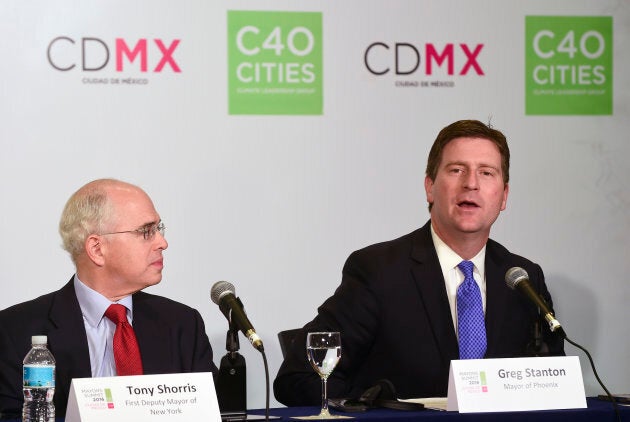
[[38, 382]]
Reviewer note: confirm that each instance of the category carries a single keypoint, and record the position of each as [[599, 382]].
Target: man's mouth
[[467, 204]]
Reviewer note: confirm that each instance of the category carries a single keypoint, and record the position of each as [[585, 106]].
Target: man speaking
[[407, 307]]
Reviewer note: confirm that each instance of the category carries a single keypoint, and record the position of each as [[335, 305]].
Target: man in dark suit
[[115, 238], [396, 307]]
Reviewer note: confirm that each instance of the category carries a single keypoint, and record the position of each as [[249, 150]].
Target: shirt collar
[[449, 259], [93, 304]]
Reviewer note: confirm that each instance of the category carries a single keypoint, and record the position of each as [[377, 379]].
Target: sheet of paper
[[436, 403]]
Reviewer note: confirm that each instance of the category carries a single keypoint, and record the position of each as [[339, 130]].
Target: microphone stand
[[231, 383], [232, 380], [537, 347]]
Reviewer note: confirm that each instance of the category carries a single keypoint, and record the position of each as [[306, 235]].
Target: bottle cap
[[39, 340]]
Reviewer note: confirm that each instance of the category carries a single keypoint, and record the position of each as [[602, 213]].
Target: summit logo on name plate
[[275, 63], [568, 65]]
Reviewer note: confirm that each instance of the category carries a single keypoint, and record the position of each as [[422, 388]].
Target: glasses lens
[[160, 227], [149, 232]]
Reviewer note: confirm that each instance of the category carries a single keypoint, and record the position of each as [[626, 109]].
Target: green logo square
[[568, 65], [275, 63]]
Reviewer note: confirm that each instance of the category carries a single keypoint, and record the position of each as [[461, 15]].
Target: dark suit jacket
[[393, 313], [171, 337]]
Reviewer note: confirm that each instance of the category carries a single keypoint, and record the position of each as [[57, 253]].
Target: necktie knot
[[116, 313], [466, 268], [125, 345]]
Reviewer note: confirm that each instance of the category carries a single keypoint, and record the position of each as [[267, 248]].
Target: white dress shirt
[[453, 276], [99, 329]]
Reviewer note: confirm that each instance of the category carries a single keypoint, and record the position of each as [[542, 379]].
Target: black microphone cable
[[590, 359], [264, 356], [517, 276]]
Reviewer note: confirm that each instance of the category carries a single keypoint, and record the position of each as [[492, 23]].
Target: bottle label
[[39, 376]]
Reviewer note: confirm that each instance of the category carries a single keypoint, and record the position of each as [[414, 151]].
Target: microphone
[[516, 277], [222, 293]]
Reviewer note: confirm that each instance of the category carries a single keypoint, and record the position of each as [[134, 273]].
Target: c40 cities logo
[[275, 62], [568, 65]]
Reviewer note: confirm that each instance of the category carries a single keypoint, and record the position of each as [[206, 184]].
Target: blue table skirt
[[596, 411]]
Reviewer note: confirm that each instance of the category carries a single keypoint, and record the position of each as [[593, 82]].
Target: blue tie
[[471, 327]]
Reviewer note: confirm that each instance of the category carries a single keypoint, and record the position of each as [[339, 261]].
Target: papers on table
[[435, 403]]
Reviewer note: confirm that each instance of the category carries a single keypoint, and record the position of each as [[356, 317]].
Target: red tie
[[126, 350]]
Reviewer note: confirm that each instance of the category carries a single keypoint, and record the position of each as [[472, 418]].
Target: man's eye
[[147, 231]]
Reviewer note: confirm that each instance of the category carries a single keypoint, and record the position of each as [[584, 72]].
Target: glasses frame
[[147, 231]]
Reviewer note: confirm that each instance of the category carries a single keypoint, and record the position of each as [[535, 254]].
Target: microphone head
[[515, 275], [219, 289]]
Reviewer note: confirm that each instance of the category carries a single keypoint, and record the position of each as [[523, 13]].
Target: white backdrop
[[274, 204]]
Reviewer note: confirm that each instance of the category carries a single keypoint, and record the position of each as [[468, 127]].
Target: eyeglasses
[[148, 231]]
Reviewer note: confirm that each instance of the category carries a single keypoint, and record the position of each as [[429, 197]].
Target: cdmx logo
[[93, 54], [406, 59]]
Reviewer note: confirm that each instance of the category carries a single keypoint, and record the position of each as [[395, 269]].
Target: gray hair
[[87, 212]]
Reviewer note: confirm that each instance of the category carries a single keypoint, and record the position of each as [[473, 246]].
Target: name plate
[[505, 385], [163, 397]]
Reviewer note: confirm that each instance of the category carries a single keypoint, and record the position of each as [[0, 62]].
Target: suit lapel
[[67, 339], [68, 334], [429, 280], [152, 336], [496, 295]]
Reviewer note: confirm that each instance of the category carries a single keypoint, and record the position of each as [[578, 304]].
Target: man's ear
[[428, 189], [94, 249], [506, 190]]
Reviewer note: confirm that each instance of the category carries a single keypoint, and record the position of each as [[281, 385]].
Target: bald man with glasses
[[115, 238]]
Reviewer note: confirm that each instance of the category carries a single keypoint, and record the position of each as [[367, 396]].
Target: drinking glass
[[324, 351]]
